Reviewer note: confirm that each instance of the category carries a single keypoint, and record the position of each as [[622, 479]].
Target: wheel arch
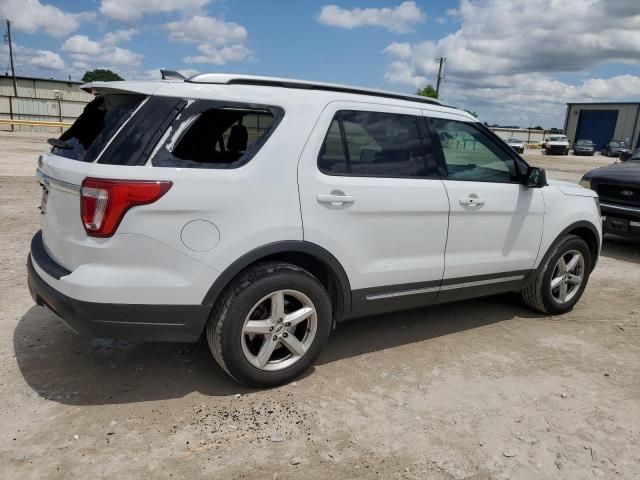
[[309, 256], [583, 229], [589, 233]]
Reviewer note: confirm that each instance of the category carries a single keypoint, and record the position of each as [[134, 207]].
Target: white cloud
[[33, 61], [506, 54], [47, 60], [398, 19], [220, 55], [219, 42], [103, 52], [131, 10], [31, 16], [210, 30]]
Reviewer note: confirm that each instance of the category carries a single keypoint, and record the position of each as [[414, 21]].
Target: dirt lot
[[478, 389]]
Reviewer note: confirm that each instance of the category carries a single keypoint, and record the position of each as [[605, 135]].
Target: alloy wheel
[[567, 277], [279, 330]]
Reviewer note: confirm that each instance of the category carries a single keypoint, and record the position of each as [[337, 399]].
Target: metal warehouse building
[[603, 122], [41, 99]]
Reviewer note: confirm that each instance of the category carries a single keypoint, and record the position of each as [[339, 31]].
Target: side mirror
[[625, 155], [536, 177]]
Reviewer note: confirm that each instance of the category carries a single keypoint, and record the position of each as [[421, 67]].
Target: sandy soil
[[480, 389]]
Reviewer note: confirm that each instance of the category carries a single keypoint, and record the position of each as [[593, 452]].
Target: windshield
[[586, 143], [618, 144], [514, 140], [558, 139]]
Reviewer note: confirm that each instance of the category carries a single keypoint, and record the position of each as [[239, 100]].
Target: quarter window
[[373, 144], [471, 155], [207, 135]]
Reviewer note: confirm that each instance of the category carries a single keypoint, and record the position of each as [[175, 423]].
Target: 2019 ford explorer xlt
[[260, 211]]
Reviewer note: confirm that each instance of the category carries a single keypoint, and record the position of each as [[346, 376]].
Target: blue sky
[[511, 61]]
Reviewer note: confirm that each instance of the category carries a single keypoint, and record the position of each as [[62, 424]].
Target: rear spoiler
[[144, 88]]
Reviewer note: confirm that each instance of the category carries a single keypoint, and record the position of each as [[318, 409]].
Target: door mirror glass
[[536, 177]]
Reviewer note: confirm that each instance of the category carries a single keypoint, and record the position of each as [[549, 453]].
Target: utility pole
[[440, 74], [13, 73]]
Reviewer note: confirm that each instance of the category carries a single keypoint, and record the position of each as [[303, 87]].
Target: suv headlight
[[586, 183]]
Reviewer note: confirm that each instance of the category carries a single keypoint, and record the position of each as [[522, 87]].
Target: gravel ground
[[479, 389]]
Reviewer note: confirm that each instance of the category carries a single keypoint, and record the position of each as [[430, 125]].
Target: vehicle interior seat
[[238, 138]]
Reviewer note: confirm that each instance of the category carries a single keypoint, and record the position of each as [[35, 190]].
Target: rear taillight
[[103, 203]]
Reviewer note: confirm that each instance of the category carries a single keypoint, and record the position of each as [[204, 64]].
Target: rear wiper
[[54, 142]]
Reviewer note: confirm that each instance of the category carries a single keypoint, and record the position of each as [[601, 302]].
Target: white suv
[[261, 211]]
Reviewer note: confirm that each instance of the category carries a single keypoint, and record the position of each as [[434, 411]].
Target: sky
[[513, 62]]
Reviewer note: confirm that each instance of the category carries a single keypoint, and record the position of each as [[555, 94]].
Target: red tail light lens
[[103, 203]]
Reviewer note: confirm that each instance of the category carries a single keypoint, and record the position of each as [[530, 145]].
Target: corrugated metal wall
[[38, 99], [627, 125]]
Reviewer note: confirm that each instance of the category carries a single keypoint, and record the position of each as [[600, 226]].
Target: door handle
[[471, 201], [336, 199]]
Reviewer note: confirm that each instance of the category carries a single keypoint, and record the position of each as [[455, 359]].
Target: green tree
[[100, 75], [427, 91]]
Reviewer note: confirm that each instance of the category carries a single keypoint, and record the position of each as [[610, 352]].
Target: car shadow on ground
[[63, 367], [620, 248]]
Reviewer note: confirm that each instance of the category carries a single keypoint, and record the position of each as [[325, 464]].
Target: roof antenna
[[171, 75]]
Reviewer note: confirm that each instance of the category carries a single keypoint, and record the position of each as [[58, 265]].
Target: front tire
[[270, 324], [561, 278]]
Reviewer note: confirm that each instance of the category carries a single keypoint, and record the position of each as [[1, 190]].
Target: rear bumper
[[172, 323]]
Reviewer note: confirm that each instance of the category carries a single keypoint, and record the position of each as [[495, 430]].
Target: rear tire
[[270, 324], [555, 289]]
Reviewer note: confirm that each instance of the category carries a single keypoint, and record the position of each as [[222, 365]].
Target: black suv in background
[[618, 186]]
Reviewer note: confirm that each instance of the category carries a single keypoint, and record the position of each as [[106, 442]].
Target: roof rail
[[305, 85]]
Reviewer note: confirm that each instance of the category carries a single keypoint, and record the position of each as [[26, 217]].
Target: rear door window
[[374, 144], [96, 126]]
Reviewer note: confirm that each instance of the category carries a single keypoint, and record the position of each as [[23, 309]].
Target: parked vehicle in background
[[614, 148], [584, 147], [557, 145], [516, 144], [625, 156], [618, 186], [261, 211]]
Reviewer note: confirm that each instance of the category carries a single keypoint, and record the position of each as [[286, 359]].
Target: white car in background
[[557, 145], [517, 145], [261, 211]]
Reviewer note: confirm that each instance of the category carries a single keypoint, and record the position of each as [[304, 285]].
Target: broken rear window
[[96, 126], [216, 135]]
